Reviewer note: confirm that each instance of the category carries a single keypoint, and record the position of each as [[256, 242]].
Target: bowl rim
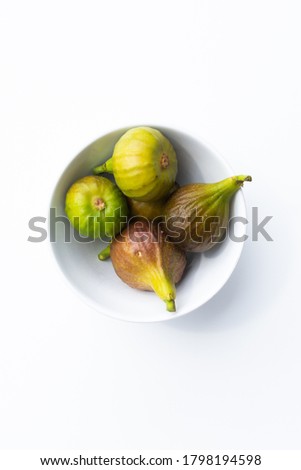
[[101, 308]]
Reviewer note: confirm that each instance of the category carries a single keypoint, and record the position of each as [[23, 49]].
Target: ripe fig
[[150, 210], [144, 164], [145, 260], [197, 215], [96, 207]]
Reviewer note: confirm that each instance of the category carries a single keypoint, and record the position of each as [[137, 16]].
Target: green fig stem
[[170, 305], [106, 167], [229, 186], [105, 253], [240, 179], [164, 287]]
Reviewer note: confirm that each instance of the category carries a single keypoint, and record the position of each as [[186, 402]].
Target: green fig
[[96, 207], [150, 210], [144, 164], [145, 260], [197, 215]]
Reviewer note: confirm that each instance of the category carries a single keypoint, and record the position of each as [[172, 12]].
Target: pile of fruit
[[150, 222]]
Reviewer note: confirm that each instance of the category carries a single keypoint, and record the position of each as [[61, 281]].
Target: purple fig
[[197, 215], [145, 260]]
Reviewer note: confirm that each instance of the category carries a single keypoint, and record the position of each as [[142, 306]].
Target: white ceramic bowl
[[97, 282]]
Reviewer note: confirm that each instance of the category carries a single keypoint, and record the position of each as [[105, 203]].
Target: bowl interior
[[97, 282]]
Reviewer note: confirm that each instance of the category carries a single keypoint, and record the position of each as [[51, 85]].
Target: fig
[[150, 210], [197, 215], [145, 260], [144, 164], [96, 207]]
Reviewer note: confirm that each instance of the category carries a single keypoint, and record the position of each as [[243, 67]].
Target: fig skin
[[150, 210], [208, 202], [145, 260], [90, 201], [144, 164]]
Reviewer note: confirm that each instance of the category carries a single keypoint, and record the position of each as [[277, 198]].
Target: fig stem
[[240, 179], [229, 186], [170, 305], [106, 167], [105, 253]]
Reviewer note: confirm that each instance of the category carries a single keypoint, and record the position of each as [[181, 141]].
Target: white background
[[226, 376]]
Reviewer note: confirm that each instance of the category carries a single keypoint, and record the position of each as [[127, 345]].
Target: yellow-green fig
[[144, 164], [145, 260], [197, 215], [96, 207]]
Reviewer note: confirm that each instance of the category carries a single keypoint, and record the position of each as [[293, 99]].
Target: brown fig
[[145, 260], [153, 210], [197, 215], [148, 210]]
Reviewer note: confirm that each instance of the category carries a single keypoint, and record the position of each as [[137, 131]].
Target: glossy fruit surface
[[144, 164], [144, 260], [197, 215], [96, 207]]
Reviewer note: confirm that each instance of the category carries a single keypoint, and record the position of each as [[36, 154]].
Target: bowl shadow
[[239, 300]]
